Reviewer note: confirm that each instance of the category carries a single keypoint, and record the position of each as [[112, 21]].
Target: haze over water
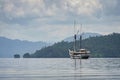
[[59, 69]]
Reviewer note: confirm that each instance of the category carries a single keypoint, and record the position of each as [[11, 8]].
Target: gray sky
[[52, 20]]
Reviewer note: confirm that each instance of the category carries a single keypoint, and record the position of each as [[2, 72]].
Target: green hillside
[[102, 46]]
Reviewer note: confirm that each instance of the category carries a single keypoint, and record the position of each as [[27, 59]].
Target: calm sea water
[[59, 69]]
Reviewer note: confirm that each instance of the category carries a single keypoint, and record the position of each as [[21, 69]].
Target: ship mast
[[74, 37], [81, 36]]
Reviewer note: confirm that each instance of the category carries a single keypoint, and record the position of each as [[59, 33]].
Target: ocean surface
[[59, 69]]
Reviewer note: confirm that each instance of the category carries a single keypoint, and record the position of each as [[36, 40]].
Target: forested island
[[107, 46]]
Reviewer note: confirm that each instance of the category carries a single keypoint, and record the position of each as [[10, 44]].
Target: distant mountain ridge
[[9, 47], [84, 36]]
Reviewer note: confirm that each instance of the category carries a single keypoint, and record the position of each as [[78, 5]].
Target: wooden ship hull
[[79, 54]]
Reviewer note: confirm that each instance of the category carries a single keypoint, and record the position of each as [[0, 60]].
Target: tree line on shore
[[107, 46]]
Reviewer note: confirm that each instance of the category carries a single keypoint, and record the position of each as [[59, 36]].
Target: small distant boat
[[81, 53]]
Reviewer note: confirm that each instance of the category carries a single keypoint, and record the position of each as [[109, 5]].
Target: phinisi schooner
[[80, 53]]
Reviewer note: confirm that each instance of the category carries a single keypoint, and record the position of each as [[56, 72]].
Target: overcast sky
[[52, 20]]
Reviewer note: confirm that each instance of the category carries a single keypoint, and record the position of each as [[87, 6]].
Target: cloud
[[53, 19], [36, 33], [22, 9], [110, 8]]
